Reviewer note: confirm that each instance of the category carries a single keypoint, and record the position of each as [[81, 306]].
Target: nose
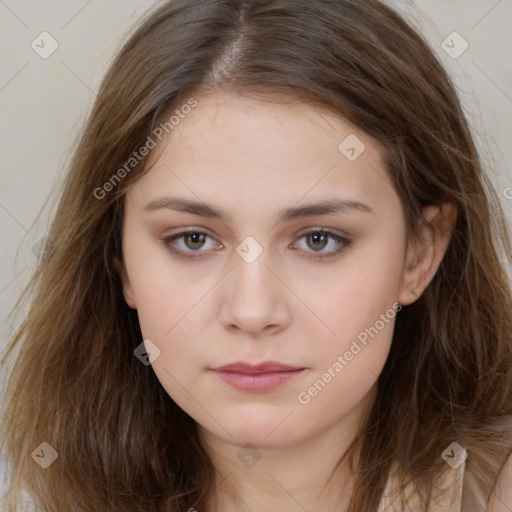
[[255, 300]]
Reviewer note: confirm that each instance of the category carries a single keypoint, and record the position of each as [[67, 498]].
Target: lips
[[265, 367], [261, 377]]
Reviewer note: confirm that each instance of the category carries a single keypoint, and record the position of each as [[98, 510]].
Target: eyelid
[[320, 229], [342, 239], [167, 242]]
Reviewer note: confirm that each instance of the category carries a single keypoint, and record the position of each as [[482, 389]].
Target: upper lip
[[265, 367]]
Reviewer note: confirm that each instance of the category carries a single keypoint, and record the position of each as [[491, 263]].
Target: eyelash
[[344, 242]]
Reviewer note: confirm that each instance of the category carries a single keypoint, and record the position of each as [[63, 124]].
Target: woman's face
[[256, 282]]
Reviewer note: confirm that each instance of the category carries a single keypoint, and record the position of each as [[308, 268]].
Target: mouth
[[262, 377]]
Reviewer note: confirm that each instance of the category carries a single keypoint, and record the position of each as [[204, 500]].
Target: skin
[[252, 158]]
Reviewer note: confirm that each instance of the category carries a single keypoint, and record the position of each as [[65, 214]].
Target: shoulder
[[500, 499]]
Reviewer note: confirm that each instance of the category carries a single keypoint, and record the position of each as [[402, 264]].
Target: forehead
[[253, 153], [239, 127]]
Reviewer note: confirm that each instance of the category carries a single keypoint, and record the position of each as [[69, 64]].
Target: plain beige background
[[43, 101]]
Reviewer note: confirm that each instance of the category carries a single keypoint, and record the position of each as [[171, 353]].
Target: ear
[[426, 250], [127, 287]]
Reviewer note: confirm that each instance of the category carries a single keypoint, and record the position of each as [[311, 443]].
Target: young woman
[[274, 281]]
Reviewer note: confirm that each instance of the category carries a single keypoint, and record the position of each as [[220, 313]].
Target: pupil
[[319, 238], [196, 238]]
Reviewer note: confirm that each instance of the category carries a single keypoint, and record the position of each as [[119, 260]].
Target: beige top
[[458, 494]]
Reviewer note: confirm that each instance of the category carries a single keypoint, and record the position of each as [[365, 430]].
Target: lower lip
[[258, 381]]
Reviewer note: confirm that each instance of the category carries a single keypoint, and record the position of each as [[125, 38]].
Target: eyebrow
[[326, 207]]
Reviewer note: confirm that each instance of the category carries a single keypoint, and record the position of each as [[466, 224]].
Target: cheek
[[347, 363], [166, 292], [360, 308], [171, 312], [166, 307], [358, 295]]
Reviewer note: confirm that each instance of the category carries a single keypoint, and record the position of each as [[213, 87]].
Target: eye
[[319, 239], [193, 240]]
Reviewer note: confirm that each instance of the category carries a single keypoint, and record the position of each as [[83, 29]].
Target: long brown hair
[[122, 443]]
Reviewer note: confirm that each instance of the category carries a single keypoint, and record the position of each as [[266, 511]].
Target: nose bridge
[[251, 274], [254, 297]]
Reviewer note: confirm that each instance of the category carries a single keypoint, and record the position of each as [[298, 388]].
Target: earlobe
[[127, 287], [426, 251]]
